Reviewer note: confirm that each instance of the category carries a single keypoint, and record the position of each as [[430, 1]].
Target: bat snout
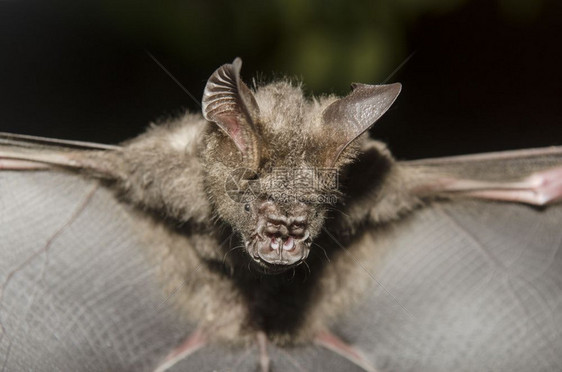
[[281, 238]]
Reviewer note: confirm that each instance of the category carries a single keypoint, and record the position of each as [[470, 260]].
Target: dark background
[[482, 75]]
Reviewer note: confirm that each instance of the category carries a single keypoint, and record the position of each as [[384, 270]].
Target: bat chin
[[273, 269]]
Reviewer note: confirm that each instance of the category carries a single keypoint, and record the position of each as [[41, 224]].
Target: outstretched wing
[[81, 273], [79, 290], [466, 284]]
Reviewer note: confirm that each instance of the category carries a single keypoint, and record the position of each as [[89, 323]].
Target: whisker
[[173, 78], [309, 271], [399, 67], [231, 250], [339, 210], [323, 250]]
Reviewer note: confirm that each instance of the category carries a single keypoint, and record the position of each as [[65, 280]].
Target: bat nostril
[[289, 244]]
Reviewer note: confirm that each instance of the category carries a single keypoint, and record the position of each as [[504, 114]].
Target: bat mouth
[[277, 254]]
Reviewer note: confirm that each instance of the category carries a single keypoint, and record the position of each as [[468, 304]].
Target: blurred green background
[[478, 75]]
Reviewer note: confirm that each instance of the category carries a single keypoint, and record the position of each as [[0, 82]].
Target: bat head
[[272, 159]]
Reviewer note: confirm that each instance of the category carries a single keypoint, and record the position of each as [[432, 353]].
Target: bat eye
[[247, 207]]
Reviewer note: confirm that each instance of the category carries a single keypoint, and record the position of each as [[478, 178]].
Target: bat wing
[[466, 285], [76, 291]]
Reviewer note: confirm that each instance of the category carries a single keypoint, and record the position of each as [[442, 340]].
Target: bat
[[271, 233]]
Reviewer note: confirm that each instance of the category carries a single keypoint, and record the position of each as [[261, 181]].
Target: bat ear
[[358, 111], [229, 103]]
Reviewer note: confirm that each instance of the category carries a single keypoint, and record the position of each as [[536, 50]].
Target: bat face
[[273, 159], [279, 208]]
